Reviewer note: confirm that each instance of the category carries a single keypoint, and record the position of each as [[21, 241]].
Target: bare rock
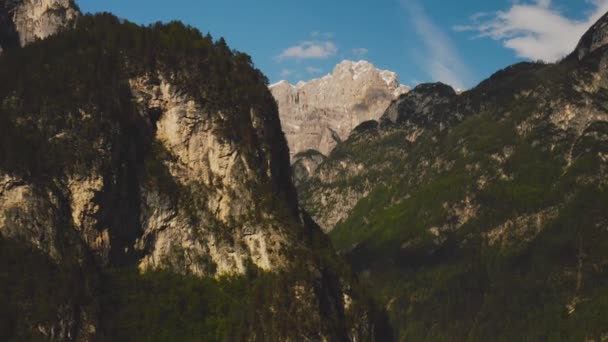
[[318, 114], [23, 22]]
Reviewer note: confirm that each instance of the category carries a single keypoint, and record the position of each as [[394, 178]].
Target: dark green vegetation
[[493, 224], [157, 306], [160, 306], [34, 289]]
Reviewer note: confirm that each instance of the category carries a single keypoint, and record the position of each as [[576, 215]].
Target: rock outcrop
[[318, 114], [226, 177], [25, 21], [305, 165], [423, 106], [593, 39]]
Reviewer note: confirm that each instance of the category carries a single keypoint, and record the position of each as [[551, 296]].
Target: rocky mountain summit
[[162, 166], [23, 22], [482, 215], [318, 114]]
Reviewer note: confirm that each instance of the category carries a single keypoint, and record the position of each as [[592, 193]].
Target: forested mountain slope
[[482, 216], [146, 194]]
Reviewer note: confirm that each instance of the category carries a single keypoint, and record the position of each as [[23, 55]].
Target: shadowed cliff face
[[158, 149], [595, 38], [8, 35], [481, 216]]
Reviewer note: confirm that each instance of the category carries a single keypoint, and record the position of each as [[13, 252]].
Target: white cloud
[[313, 70], [535, 30], [359, 52], [310, 50], [439, 58]]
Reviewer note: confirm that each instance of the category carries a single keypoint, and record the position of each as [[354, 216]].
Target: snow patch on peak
[[400, 90], [352, 69], [389, 77], [280, 83], [360, 68]]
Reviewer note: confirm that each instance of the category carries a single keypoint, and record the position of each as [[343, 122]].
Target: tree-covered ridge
[[49, 94], [449, 258], [482, 217]]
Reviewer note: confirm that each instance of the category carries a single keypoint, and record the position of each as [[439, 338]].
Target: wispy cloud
[[535, 30], [440, 58], [359, 52], [310, 50], [313, 70]]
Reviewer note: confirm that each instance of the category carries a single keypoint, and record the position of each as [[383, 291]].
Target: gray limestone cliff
[[318, 114], [23, 22]]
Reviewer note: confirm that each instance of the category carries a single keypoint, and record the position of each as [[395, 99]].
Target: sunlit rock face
[[23, 22], [318, 114], [206, 163]]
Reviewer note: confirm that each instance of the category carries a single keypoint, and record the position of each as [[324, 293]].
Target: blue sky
[[457, 42]]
